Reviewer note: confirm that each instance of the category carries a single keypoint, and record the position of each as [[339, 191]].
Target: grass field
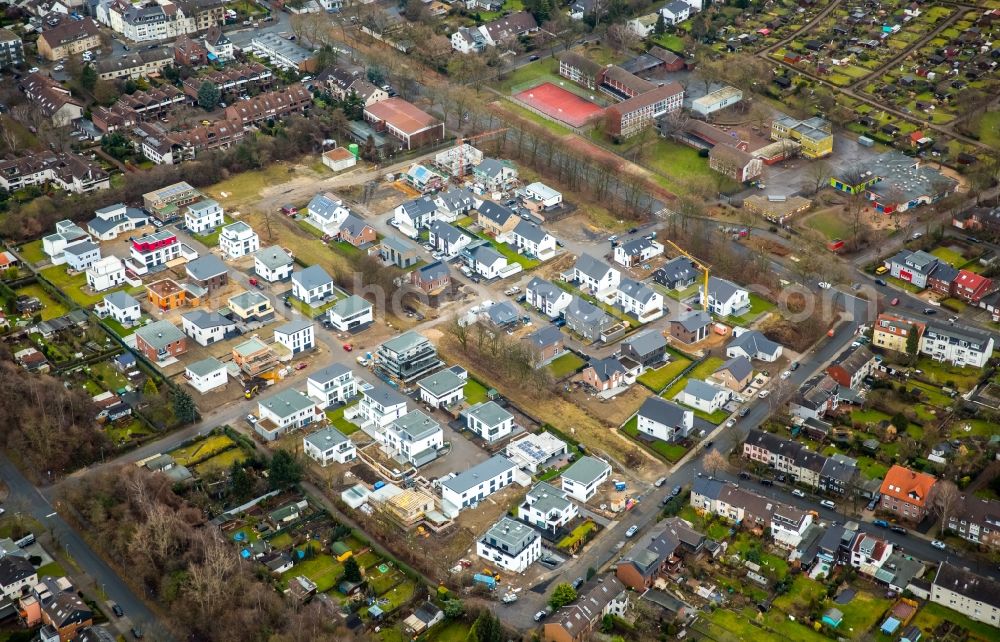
[[51, 307], [212, 238], [868, 416], [862, 612], [829, 224], [73, 286], [700, 371], [941, 373], [336, 419], [989, 129], [671, 42], [322, 569], [32, 252], [565, 365], [948, 255], [221, 462], [244, 188], [202, 449], [540, 70], [475, 392], [758, 306], [678, 164], [931, 615], [513, 256], [657, 379]]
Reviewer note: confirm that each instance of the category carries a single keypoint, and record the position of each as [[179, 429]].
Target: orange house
[[168, 295]]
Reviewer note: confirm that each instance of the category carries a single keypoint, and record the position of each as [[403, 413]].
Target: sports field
[[559, 104]]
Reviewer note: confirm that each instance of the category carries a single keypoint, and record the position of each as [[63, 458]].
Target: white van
[[826, 503]]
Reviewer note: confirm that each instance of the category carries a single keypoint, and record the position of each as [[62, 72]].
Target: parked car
[[929, 311], [136, 632], [881, 523], [533, 57], [632, 530], [880, 282], [938, 544], [541, 615], [659, 482], [348, 347], [744, 475], [895, 301], [767, 482], [763, 394], [899, 529], [730, 423], [117, 610], [826, 503], [744, 410], [251, 420], [798, 493], [675, 491], [825, 285], [578, 582], [786, 374]]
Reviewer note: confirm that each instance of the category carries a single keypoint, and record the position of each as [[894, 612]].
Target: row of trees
[[513, 361]]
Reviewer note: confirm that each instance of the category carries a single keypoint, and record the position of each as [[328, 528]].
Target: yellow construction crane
[[698, 263]]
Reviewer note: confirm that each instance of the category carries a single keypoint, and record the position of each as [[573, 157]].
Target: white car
[[938, 544], [58, 68], [730, 423], [632, 530], [824, 285], [798, 493], [33, 70], [786, 374], [763, 394]]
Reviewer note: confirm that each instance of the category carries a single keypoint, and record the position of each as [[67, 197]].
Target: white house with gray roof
[[586, 319], [548, 508], [639, 300], [327, 212], [106, 274], [329, 445], [297, 335], [380, 405], [664, 420], [413, 439], [238, 240], [206, 327], [637, 251], [448, 238], [725, 298], [122, 307], [312, 284], [115, 219], [272, 264], [581, 480], [284, 411], [511, 545], [495, 175], [206, 375], [351, 313], [487, 262], [676, 274], [703, 396], [456, 202], [443, 388], [531, 238], [489, 420], [752, 344], [595, 277], [479, 482], [203, 216], [549, 299], [543, 195], [81, 256], [414, 215], [332, 385]]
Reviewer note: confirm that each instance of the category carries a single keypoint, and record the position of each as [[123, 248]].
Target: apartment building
[[413, 439], [329, 445], [972, 595], [334, 384], [976, 520], [408, 356], [905, 493], [892, 332], [478, 482], [284, 411], [511, 545]]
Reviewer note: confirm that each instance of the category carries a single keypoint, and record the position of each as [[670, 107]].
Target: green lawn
[[862, 613], [758, 306], [989, 129], [536, 71], [899, 283], [336, 419], [670, 452], [941, 373], [512, 254], [212, 238], [51, 307], [803, 591], [118, 328], [657, 379], [565, 365], [931, 615], [310, 311], [829, 224], [678, 164], [449, 632], [221, 462], [679, 295], [32, 252], [73, 286], [108, 376], [52, 569], [281, 541], [322, 569], [871, 468], [700, 371], [868, 416], [671, 42], [948, 255], [475, 392]]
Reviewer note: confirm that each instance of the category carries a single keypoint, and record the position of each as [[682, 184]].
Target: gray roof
[[585, 470], [547, 497], [247, 299], [530, 231], [419, 207], [721, 289], [296, 325], [160, 334], [646, 342], [701, 390], [544, 289], [404, 342], [636, 290], [287, 402], [202, 207], [976, 340], [676, 7], [82, 248], [121, 300], [592, 267], [739, 367], [548, 335], [606, 368], [486, 254], [495, 212], [711, 488], [205, 267], [273, 257], [205, 366], [323, 205], [635, 246], [351, 305], [503, 313], [753, 342], [515, 535], [491, 167], [354, 225], [433, 271], [448, 232], [312, 277], [329, 373], [662, 411], [483, 471], [489, 413], [678, 269], [457, 199], [695, 320], [416, 425], [384, 395], [586, 312], [204, 319], [442, 382], [326, 438], [399, 245]]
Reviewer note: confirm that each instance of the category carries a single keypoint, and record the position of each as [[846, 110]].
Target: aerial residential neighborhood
[[498, 320]]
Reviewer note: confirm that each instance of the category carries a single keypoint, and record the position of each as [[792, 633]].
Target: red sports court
[[559, 104]]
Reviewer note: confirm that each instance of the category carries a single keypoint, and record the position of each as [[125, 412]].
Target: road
[[41, 509]]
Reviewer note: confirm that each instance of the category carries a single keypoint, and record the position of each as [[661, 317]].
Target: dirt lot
[[613, 411]]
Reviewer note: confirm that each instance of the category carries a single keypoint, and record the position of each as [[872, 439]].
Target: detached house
[[413, 439], [912, 267], [677, 273], [648, 349], [431, 278], [511, 545], [905, 493], [753, 345], [605, 375], [123, 308], [584, 477], [327, 212], [548, 508], [297, 335], [443, 388], [487, 262], [329, 445], [350, 314], [703, 396], [664, 420], [489, 420], [598, 598], [495, 175], [334, 384], [414, 215], [447, 238], [284, 411], [595, 276], [203, 216], [238, 240], [206, 328], [734, 374], [546, 344], [546, 297], [725, 298], [637, 251], [532, 240], [586, 320], [639, 300], [312, 284], [691, 327], [496, 220], [272, 264], [478, 482], [380, 405]]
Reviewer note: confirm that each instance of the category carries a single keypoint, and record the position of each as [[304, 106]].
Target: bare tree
[[818, 175], [621, 39], [713, 462], [944, 495], [460, 331]]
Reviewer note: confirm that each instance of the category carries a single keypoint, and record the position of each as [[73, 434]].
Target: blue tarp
[[889, 626]]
